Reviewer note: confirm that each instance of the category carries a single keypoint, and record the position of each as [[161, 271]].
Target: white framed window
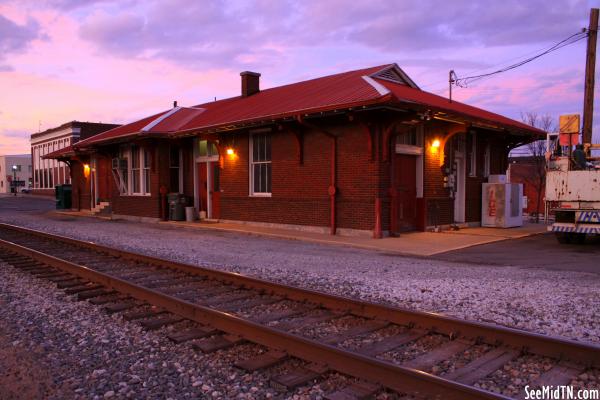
[[131, 171], [486, 160], [146, 171], [473, 161], [260, 164], [176, 169], [136, 181]]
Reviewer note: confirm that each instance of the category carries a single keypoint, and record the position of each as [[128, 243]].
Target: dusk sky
[[117, 61]]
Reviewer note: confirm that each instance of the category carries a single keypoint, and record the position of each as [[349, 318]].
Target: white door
[[459, 196]]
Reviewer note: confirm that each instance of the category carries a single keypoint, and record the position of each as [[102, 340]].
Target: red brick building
[[530, 172], [361, 151], [47, 173]]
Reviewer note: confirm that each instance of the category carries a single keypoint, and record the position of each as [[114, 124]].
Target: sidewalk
[[421, 244], [411, 243]]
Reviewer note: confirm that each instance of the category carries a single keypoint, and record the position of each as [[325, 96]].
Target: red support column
[[377, 233]]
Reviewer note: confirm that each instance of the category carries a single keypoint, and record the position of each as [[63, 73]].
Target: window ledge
[[260, 195]]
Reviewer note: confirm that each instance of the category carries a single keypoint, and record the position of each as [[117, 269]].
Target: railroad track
[[414, 354]]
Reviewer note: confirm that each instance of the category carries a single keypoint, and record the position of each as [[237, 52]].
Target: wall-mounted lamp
[[231, 153], [435, 144], [86, 170]]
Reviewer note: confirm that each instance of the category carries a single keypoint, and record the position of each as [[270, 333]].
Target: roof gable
[[393, 73]]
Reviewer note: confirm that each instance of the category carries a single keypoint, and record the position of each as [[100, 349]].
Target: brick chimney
[[250, 83]]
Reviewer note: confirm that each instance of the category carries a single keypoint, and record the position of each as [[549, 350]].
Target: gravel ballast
[[563, 303]]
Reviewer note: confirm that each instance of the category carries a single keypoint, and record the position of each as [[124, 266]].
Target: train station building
[[359, 152]]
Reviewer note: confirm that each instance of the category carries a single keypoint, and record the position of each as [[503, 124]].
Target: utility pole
[[590, 69], [451, 81]]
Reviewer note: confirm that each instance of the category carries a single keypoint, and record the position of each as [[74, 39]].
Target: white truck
[[573, 195]]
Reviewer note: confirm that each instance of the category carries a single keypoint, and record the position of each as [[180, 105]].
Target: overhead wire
[[465, 81]]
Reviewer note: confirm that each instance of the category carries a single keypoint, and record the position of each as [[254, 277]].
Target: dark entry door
[[406, 191], [215, 190], [203, 187]]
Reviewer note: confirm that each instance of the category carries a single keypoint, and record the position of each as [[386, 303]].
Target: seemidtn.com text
[[561, 392]]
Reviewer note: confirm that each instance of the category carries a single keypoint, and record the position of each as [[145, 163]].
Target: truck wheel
[[578, 238], [563, 237]]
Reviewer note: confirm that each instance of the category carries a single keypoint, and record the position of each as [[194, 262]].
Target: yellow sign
[[569, 123]]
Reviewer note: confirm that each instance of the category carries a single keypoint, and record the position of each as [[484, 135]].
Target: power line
[[464, 82]]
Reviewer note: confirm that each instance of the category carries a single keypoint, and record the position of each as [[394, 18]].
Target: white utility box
[[502, 205], [497, 179]]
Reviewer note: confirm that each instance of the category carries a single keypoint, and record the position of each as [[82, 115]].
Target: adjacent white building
[[49, 173], [21, 171]]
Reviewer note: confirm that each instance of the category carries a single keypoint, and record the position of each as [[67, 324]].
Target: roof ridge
[[375, 67]]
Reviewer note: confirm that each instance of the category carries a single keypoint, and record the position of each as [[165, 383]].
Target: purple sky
[[116, 61]]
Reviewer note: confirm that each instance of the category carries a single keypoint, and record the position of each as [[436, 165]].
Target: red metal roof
[[404, 93], [344, 90]]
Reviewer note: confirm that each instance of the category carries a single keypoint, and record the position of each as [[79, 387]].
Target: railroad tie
[[191, 334], [109, 298], [56, 274], [355, 391], [82, 288], [298, 376], [482, 366], [131, 316], [390, 343], [370, 326], [119, 307], [90, 294], [264, 360], [301, 322], [270, 317], [560, 374], [219, 342], [156, 323], [70, 283], [437, 355]]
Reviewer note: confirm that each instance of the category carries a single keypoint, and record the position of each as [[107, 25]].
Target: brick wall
[[300, 191]]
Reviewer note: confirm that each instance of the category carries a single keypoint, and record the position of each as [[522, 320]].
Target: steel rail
[[391, 376], [554, 347]]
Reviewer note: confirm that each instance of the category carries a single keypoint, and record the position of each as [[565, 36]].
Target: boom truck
[[573, 176], [572, 192]]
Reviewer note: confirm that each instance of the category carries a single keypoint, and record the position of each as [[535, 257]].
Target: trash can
[[58, 197], [67, 191], [62, 194], [190, 214], [177, 203]]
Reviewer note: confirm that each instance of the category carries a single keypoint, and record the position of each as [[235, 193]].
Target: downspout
[[332, 190], [332, 187]]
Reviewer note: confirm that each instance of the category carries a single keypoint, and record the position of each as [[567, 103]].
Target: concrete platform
[[412, 243], [420, 244]]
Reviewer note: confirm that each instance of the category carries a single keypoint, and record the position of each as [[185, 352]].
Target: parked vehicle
[[572, 193]]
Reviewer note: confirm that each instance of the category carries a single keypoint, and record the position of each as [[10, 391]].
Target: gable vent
[[391, 75]]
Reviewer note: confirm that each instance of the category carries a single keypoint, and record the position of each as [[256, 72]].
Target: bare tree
[[536, 153]]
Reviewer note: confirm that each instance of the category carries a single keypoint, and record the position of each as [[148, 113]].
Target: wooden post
[[590, 69]]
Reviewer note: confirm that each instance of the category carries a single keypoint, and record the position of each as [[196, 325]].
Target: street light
[[14, 168]]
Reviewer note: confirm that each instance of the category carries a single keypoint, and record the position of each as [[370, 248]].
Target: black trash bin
[[63, 197], [66, 191], [177, 203], [59, 195]]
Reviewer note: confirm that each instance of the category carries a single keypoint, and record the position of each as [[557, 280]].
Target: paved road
[[534, 251]]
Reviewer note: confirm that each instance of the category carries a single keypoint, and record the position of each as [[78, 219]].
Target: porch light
[[86, 170], [435, 144], [230, 151]]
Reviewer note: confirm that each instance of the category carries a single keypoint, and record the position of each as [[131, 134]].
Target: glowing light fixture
[[86, 170], [435, 144], [230, 151]]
